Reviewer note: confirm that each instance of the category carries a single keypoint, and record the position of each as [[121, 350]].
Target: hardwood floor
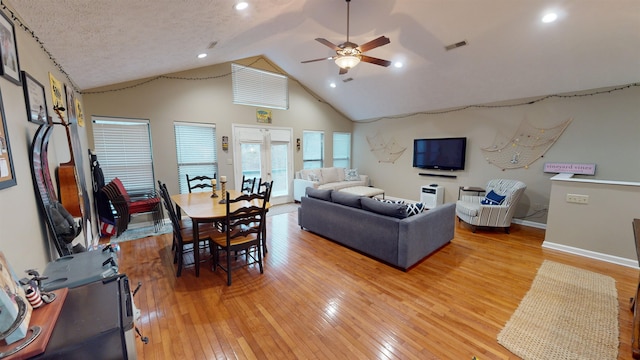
[[319, 300]]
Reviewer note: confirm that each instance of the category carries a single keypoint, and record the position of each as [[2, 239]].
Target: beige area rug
[[141, 232], [283, 209], [568, 313]]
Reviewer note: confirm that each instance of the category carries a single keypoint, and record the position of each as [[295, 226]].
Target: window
[[123, 148], [196, 151], [259, 88], [312, 149], [342, 149]]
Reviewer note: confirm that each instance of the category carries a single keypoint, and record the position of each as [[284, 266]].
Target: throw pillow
[[389, 201], [319, 193], [313, 177], [415, 209], [351, 175], [396, 210], [492, 198]]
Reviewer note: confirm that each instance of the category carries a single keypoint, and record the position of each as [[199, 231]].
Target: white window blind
[[342, 149], [123, 148], [312, 149], [259, 88], [196, 151]]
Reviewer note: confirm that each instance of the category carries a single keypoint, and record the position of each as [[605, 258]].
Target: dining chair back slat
[[199, 182]]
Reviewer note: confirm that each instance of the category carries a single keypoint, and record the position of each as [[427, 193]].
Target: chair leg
[[506, 230], [179, 256], [258, 250], [228, 268]]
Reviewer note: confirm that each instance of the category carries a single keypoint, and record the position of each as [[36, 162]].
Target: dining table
[[202, 208]]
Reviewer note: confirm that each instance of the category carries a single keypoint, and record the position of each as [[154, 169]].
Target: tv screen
[[443, 154]]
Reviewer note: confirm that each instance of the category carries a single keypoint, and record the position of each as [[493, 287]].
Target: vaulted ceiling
[[510, 53]]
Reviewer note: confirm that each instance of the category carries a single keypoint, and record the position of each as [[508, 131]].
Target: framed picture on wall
[[10, 67], [35, 99], [7, 174]]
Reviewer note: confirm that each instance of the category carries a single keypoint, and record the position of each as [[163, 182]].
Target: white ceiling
[[510, 54]]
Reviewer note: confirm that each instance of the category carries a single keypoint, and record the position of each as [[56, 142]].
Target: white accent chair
[[470, 209]]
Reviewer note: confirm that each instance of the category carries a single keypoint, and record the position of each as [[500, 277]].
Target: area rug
[[141, 232], [568, 313], [283, 209]]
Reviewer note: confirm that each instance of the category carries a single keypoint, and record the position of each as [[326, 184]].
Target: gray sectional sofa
[[377, 229]]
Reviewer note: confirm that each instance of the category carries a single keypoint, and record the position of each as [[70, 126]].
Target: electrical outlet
[[577, 198]]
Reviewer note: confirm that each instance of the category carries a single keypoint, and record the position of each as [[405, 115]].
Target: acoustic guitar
[[68, 189]]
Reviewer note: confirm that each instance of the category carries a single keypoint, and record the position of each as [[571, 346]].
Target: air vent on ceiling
[[347, 80], [456, 45], [213, 44]]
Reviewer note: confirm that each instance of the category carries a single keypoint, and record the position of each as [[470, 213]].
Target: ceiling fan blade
[[376, 61], [324, 58], [382, 40], [343, 71], [328, 43]]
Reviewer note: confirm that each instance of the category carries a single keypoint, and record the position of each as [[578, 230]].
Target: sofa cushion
[[415, 209], [395, 210], [319, 193], [344, 198], [330, 175], [351, 175], [492, 198]]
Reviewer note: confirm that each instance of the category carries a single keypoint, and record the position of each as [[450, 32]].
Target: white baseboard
[[529, 223], [592, 254]]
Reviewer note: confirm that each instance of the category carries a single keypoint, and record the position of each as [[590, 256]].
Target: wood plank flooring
[[320, 300]]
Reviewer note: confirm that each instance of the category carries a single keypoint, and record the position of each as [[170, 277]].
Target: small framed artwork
[[35, 98], [7, 174], [10, 67]]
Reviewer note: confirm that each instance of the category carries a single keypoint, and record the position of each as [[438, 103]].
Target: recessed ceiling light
[[550, 17], [241, 5], [202, 56], [333, 85], [398, 64]]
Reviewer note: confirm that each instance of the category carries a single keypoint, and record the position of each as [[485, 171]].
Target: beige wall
[[604, 131], [164, 101], [602, 227], [23, 234]]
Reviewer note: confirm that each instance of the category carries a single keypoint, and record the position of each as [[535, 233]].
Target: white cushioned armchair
[[471, 210]]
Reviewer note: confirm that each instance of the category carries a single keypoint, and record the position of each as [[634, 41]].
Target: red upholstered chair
[[127, 206]]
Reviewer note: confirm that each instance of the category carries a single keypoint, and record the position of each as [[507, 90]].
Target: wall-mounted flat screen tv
[[442, 154]]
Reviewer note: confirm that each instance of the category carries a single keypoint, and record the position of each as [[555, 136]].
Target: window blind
[[123, 148], [196, 151], [259, 88], [342, 149], [312, 149]]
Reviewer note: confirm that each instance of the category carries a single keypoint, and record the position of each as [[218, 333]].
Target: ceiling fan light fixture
[[347, 61]]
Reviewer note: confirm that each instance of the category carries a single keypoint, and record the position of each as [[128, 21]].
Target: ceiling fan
[[349, 54]]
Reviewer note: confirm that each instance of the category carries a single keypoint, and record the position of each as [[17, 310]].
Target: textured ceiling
[[510, 53]]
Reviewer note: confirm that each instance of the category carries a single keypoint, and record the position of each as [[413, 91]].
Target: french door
[[264, 153]]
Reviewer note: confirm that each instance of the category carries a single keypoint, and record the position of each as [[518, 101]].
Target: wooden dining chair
[[183, 235], [199, 182], [264, 189], [247, 184], [243, 233]]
